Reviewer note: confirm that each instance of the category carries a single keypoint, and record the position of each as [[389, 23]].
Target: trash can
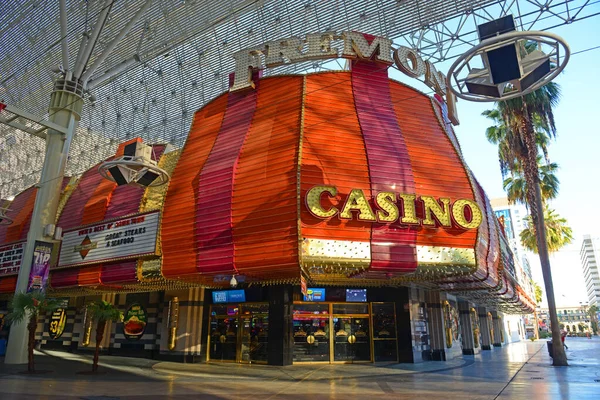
[[2, 347], [549, 344]]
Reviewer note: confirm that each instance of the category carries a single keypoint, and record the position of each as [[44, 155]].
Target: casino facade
[[327, 217]]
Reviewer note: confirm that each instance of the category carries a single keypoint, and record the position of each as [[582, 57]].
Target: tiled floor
[[517, 371]]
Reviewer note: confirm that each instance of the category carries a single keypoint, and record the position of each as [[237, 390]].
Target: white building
[[514, 219], [589, 254]]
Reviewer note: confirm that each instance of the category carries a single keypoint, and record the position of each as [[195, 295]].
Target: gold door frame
[[238, 346], [372, 339]]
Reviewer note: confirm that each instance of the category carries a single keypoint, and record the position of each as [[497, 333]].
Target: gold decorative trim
[[66, 195]]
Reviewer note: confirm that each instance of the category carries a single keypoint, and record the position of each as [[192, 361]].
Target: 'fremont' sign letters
[[347, 44]]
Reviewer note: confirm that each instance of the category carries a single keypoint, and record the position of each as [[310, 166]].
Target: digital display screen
[[315, 294], [229, 296], [356, 295]]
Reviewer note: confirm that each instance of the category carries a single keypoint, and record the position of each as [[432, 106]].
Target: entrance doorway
[[344, 332], [239, 332]]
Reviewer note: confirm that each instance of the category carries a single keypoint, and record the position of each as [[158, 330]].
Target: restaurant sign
[[10, 258], [391, 207], [125, 238]]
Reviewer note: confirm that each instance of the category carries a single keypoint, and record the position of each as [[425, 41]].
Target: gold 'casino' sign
[[385, 208]]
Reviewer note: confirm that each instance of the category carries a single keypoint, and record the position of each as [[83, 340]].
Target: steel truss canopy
[[147, 76]]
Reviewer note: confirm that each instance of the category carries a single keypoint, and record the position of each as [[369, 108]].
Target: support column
[[281, 327], [66, 103], [498, 329], [182, 333], [466, 328], [437, 335], [486, 338]]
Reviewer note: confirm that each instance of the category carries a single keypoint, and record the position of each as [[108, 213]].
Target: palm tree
[[521, 119], [592, 311], [516, 186], [101, 312], [30, 305], [558, 233]]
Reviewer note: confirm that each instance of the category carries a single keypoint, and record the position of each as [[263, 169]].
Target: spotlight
[[233, 282]]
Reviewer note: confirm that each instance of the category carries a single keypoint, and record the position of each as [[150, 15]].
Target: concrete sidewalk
[[518, 371]]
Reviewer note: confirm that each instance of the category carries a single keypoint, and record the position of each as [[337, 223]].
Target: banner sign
[[125, 238], [229, 296], [11, 257], [134, 323], [38, 277], [58, 320]]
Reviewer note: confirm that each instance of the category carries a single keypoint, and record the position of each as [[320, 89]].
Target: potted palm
[[102, 312], [30, 305]]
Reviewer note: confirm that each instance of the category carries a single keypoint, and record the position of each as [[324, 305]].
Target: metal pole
[[65, 110], [63, 34]]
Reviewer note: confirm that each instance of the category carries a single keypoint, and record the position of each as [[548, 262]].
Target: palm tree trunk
[[31, 327], [99, 337], [534, 199]]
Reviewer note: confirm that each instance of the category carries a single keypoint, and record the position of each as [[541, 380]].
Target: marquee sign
[[10, 258], [386, 207], [347, 44], [121, 239]]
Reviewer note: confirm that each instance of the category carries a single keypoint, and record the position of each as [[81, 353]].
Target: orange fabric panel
[[8, 284], [89, 276], [14, 230], [95, 208], [264, 206], [333, 153], [177, 228], [436, 167]]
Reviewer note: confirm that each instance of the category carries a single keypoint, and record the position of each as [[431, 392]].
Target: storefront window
[[351, 308], [384, 332]]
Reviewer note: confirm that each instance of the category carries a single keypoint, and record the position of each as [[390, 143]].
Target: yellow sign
[[386, 207]]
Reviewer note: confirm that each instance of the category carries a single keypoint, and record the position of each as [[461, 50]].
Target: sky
[[576, 150]]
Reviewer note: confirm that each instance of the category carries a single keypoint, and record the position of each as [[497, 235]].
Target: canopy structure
[[146, 81], [339, 178]]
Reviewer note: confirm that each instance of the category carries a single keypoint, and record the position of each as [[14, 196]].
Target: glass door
[[255, 332], [239, 333], [223, 338], [351, 333], [311, 332]]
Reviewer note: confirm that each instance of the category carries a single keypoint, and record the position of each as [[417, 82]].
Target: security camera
[[233, 282]]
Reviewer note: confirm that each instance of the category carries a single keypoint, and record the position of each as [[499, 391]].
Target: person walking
[[563, 335]]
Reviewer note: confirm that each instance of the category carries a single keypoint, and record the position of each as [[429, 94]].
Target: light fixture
[[135, 166], [233, 282], [502, 67]]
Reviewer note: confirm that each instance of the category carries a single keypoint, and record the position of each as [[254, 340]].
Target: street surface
[[517, 371]]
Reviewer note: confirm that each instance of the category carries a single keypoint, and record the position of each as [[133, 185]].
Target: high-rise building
[[590, 252], [513, 217]]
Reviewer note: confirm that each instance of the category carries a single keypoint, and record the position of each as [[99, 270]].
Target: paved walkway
[[518, 371]]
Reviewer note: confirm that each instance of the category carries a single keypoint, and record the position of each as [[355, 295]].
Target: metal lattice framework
[[177, 57]]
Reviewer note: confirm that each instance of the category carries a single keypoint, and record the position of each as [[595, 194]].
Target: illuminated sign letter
[[284, 50], [434, 79], [356, 45], [313, 201], [245, 61], [319, 45], [410, 213], [409, 62], [433, 208], [389, 210], [458, 212], [357, 201]]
